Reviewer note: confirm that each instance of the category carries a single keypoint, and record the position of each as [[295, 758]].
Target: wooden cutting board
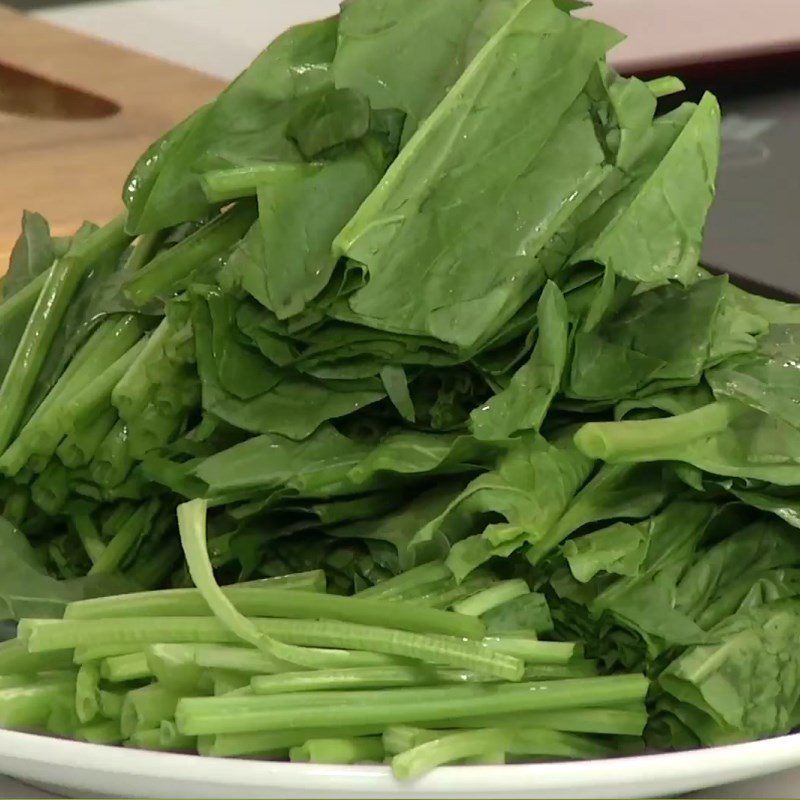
[[75, 114]]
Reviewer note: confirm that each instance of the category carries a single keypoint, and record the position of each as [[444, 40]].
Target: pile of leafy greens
[[423, 285]]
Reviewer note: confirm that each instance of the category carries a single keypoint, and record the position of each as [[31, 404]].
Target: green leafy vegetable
[[409, 257], [523, 404], [396, 419], [29, 591]]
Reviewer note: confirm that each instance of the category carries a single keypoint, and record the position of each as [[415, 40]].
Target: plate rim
[[721, 764]]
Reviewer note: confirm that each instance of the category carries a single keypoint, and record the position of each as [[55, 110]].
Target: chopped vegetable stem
[[230, 184], [15, 659], [358, 678], [129, 667], [531, 650], [51, 305], [42, 636], [164, 273], [30, 706], [147, 708], [256, 601], [89, 536], [202, 716], [105, 732], [620, 441], [354, 750], [395, 587], [452, 747], [487, 599], [21, 304], [87, 692], [124, 540]]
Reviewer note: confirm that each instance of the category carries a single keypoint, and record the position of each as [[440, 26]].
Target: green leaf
[[396, 385], [619, 549], [243, 371], [246, 124], [644, 600], [430, 218], [722, 438], [399, 527], [272, 463], [639, 345], [785, 507], [522, 405], [379, 51], [33, 254], [746, 684], [294, 407], [26, 590], [657, 235], [615, 492], [753, 564], [767, 379], [337, 117], [528, 490], [299, 220], [774, 312], [414, 453], [527, 614], [265, 331], [736, 327], [670, 402]]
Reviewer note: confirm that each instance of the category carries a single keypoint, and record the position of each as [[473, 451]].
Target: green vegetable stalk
[[56, 293]]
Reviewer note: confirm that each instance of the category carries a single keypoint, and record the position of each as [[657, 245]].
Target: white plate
[[85, 770]]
